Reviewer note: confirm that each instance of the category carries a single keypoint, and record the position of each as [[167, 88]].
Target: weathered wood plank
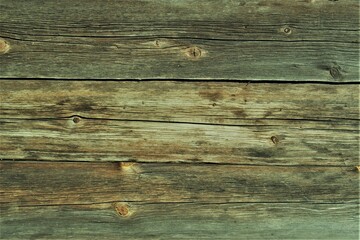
[[182, 221], [59, 183], [285, 143], [200, 102], [246, 40], [163, 201], [167, 121]]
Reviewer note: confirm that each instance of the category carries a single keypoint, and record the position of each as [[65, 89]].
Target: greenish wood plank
[[183, 221], [161, 201], [240, 40]]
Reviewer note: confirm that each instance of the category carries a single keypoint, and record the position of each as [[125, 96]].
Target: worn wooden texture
[[242, 40], [192, 102], [288, 143], [183, 221], [47, 183], [108, 200], [258, 137], [177, 122]]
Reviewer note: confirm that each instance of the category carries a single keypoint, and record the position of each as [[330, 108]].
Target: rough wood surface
[[180, 122], [108, 200], [197, 102], [242, 40], [46, 183], [75, 139], [245, 124], [183, 221]]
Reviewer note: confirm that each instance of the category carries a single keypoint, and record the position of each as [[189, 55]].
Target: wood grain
[[180, 122], [190, 119], [75, 139], [183, 221], [198, 102], [162, 201], [240, 40], [61, 183]]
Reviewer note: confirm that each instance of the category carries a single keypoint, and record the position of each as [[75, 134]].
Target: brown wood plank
[[200, 102], [62, 183], [182, 221], [75, 139], [246, 40], [189, 122]]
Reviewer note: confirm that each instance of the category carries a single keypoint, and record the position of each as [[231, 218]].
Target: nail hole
[[287, 30]]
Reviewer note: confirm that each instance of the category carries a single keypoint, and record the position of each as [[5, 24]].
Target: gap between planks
[[179, 80]]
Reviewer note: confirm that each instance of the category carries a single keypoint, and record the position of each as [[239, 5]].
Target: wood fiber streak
[[199, 102], [60, 183], [180, 122], [290, 143], [179, 119], [194, 201], [186, 221], [241, 40]]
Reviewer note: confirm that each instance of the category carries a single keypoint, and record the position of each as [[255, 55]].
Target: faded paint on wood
[[240, 40]]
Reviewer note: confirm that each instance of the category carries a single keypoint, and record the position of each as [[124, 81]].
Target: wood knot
[[76, 119], [274, 139], [126, 165], [335, 72], [129, 167], [4, 46], [123, 209], [193, 53]]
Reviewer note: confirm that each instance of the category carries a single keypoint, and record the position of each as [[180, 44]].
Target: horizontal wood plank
[[75, 139], [240, 40], [172, 122], [182, 221], [108, 200], [198, 102], [250, 154], [46, 183]]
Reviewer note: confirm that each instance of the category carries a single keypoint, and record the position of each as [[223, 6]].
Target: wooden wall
[[179, 119]]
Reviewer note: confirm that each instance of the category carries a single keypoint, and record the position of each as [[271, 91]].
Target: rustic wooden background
[[179, 119]]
